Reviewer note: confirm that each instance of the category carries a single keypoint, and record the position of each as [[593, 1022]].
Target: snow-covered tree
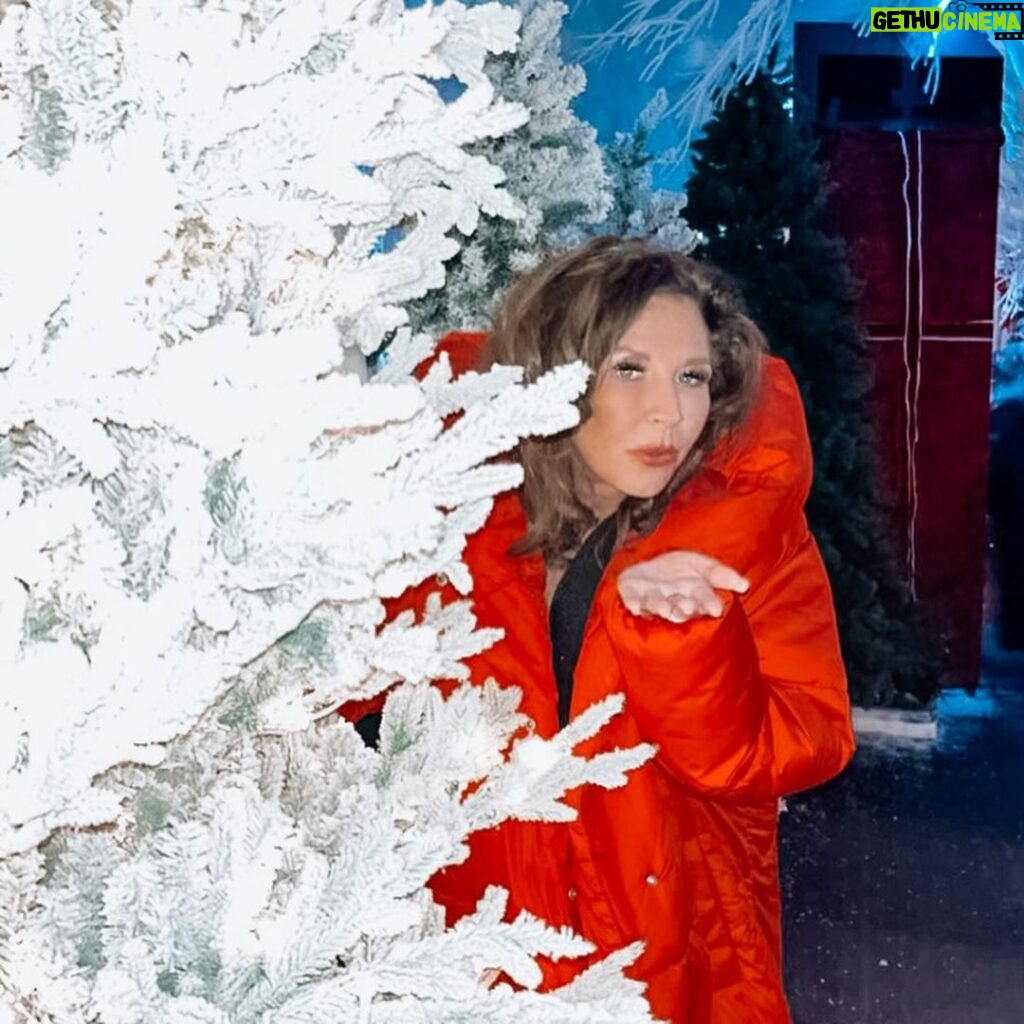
[[200, 514], [553, 167], [637, 207]]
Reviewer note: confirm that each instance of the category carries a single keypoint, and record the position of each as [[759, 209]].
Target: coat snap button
[[572, 894], [441, 579], [651, 879]]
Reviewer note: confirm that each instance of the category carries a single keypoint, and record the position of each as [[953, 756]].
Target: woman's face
[[649, 405]]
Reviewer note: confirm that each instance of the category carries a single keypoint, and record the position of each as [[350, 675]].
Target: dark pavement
[[903, 880]]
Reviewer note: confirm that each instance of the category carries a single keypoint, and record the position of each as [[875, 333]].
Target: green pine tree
[[757, 194]]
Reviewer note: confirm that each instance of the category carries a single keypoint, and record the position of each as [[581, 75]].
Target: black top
[[570, 607]]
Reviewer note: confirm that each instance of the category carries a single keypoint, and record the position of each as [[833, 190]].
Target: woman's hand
[[678, 586]]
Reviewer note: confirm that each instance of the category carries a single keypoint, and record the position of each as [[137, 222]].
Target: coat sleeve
[[755, 703]]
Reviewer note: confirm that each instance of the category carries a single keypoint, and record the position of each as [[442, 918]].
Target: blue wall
[[616, 92]]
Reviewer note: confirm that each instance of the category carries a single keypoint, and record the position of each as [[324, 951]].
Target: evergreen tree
[[201, 518], [637, 207], [757, 194], [553, 168]]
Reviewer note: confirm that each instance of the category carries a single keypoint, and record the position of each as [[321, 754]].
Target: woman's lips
[[655, 456]]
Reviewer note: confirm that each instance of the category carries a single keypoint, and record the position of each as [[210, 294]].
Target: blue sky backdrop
[[617, 92]]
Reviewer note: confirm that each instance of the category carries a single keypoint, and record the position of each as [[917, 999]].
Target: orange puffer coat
[[743, 709]]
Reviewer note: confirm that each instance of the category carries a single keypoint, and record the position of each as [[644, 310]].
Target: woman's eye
[[695, 378], [628, 371]]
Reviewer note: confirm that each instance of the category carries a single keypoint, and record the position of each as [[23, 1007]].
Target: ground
[[904, 878]]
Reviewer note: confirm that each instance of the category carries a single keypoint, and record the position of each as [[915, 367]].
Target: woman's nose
[[663, 402]]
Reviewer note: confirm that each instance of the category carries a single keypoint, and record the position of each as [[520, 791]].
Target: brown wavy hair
[[577, 306]]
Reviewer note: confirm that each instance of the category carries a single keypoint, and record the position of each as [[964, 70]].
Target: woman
[[659, 550]]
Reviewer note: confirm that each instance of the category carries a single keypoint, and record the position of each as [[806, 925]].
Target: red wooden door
[[918, 209]]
